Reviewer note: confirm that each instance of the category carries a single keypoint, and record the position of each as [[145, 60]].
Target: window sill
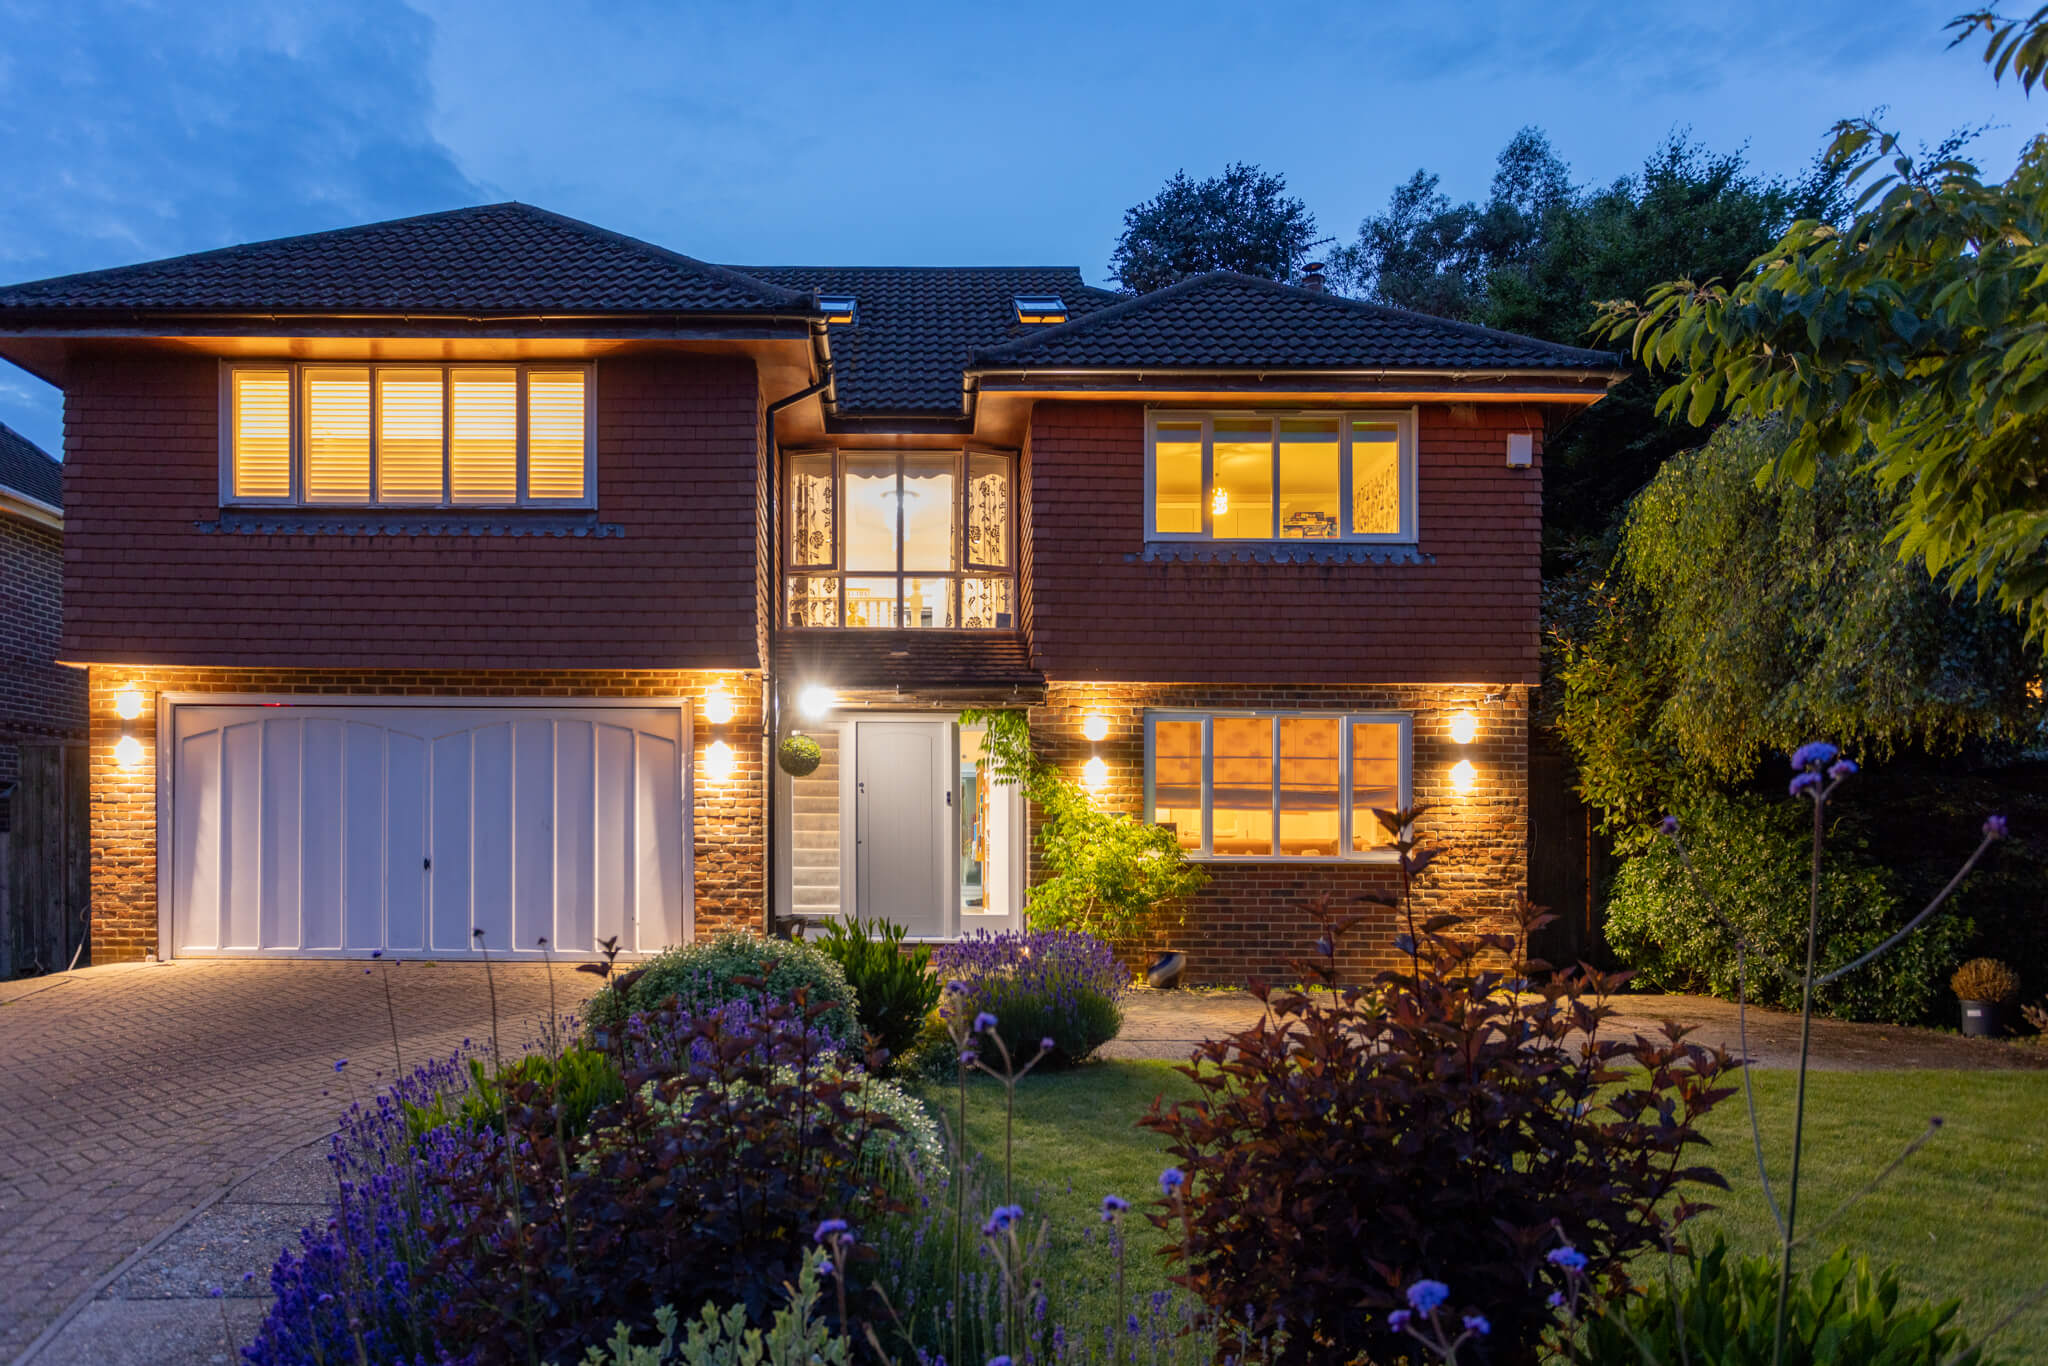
[[1280, 552], [281, 521], [1389, 859]]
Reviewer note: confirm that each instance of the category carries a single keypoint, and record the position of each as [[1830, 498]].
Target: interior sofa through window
[[1345, 476]]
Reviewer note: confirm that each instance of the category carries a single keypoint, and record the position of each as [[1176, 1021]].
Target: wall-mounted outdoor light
[[1096, 728], [719, 707], [1464, 728], [1464, 777], [815, 701], [128, 751], [719, 761], [128, 706], [1095, 773], [128, 703]]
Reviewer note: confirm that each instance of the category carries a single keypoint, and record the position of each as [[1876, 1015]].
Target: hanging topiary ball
[[799, 756]]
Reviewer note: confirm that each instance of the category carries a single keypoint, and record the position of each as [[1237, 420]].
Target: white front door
[[903, 847], [307, 828]]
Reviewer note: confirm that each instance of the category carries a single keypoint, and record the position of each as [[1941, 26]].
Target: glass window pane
[[813, 600], [554, 434], [927, 601], [483, 451], [1309, 484], [1375, 781], [337, 435], [1375, 477], [409, 431], [1241, 496], [871, 602], [985, 605], [1308, 786], [988, 510], [1177, 478], [930, 502], [261, 454], [1177, 780], [868, 497], [1243, 778], [811, 537]]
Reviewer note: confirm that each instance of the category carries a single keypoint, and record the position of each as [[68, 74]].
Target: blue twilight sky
[[884, 133]]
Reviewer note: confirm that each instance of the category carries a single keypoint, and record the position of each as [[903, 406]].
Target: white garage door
[[331, 829]]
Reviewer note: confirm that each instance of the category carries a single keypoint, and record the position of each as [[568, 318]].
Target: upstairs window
[[1276, 785], [407, 435], [1280, 476], [891, 540]]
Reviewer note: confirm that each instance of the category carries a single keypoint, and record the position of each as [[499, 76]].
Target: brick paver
[[129, 1095]]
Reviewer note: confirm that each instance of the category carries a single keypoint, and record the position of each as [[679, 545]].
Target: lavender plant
[[1058, 984]]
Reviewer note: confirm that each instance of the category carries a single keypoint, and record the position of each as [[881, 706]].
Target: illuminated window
[[1266, 785], [889, 540], [1281, 476], [1040, 308], [408, 435]]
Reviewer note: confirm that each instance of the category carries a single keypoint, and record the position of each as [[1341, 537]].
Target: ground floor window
[[1286, 785]]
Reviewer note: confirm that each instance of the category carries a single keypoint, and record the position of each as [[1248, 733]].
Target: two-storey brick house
[[464, 572]]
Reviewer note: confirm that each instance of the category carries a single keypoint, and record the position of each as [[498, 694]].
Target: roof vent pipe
[[1312, 276]]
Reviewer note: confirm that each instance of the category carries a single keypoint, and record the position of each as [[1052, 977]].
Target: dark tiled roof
[[910, 659], [917, 325], [1230, 322], [497, 258], [27, 470]]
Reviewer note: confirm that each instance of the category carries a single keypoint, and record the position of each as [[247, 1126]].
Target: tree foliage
[[1910, 342], [1242, 220]]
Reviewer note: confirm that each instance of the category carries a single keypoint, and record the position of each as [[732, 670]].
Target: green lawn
[[1967, 1217]]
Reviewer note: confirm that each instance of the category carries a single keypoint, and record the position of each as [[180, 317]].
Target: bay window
[[407, 435], [1280, 476], [900, 539], [1276, 785]]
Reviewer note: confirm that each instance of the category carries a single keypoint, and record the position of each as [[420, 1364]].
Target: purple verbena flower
[[1556, 1300], [1814, 754], [1398, 1320], [1994, 827], [1840, 769], [1172, 1179], [984, 1023], [1808, 781], [340, 1063], [1424, 1297], [1476, 1324], [1668, 826], [829, 1228], [1569, 1258], [1113, 1205]]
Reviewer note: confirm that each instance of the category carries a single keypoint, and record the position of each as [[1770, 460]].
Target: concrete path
[[132, 1096]]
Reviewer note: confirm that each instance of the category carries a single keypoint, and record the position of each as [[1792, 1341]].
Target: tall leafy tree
[[1910, 342], [1242, 220]]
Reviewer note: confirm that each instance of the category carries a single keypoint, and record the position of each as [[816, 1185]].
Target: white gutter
[[16, 504]]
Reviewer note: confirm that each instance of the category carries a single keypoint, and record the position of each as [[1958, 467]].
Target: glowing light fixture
[[128, 753], [128, 703], [1219, 501], [719, 760], [1095, 774], [1095, 727], [815, 700], [1463, 777], [1464, 728], [718, 705]]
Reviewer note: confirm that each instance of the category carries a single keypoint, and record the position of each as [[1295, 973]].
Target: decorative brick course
[[728, 830], [1248, 922]]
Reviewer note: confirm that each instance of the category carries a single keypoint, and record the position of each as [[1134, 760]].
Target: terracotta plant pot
[[1165, 974], [1980, 1019]]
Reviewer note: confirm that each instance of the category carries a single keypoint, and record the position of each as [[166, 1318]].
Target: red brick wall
[[728, 819], [1100, 612], [1249, 921], [40, 702], [678, 457]]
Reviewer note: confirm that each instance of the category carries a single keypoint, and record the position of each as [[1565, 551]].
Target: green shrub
[[708, 973], [892, 984], [1985, 979], [588, 1080], [1842, 1313], [797, 1336], [1754, 856]]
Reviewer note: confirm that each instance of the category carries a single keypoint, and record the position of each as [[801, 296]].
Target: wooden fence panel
[[1569, 863], [42, 922]]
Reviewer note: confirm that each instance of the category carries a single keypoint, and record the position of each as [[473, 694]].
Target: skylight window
[[839, 308], [1040, 308]]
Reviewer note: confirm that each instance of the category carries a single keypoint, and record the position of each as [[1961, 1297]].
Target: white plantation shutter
[[410, 428], [554, 434], [483, 445], [337, 406], [261, 433]]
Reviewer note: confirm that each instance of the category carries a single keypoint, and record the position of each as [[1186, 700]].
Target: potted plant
[[1984, 986]]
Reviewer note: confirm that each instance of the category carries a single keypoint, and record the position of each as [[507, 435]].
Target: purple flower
[[984, 1023], [1172, 1179], [825, 1267], [1424, 1297], [1814, 754], [215, 1292], [1841, 768], [998, 1361], [956, 986], [1804, 783], [1477, 1324], [1569, 1258], [376, 953], [1046, 1044], [1000, 1222], [1556, 1300], [1113, 1205], [1398, 1320], [340, 1063], [1994, 827], [830, 1228]]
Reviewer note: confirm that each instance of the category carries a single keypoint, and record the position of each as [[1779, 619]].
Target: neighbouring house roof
[[495, 258], [917, 326], [26, 469], [1225, 321]]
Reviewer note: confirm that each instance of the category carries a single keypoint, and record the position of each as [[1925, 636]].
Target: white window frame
[[1204, 853], [962, 570], [1406, 423], [298, 499]]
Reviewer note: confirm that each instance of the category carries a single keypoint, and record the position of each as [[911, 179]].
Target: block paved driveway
[[130, 1095]]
